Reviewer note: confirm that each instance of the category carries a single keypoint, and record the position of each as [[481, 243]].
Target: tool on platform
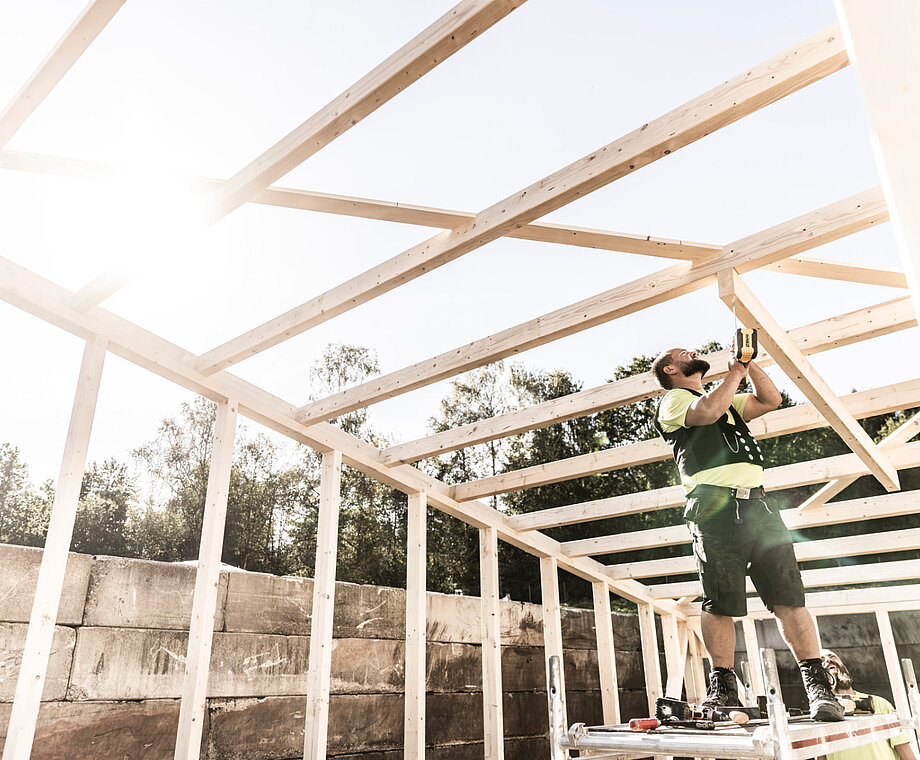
[[668, 710]]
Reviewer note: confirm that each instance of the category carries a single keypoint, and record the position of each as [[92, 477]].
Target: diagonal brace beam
[[735, 293]]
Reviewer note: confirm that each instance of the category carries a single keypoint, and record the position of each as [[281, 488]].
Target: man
[[734, 530], [897, 748]]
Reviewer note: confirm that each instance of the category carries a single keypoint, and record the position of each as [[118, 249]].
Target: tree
[[107, 494], [24, 512]]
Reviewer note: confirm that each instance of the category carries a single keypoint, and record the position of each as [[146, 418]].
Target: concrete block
[[372, 612], [905, 626], [134, 593], [20, 575], [12, 641], [272, 728], [113, 664], [92, 731], [526, 748], [261, 603]]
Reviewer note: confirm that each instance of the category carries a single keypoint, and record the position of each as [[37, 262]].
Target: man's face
[[688, 362], [837, 670]]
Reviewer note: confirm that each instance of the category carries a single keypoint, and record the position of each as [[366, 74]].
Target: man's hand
[[736, 366], [706, 410]]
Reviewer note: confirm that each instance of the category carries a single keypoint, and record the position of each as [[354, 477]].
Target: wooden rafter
[[738, 296], [844, 329], [793, 69], [870, 508], [850, 601], [780, 422], [882, 40], [451, 32], [803, 233], [870, 572], [805, 551], [775, 479], [91, 21], [898, 437], [38, 296]]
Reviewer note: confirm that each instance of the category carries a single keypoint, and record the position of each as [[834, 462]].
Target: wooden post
[[50, 583], [493, 716], [552, 623], [675, 654], [696, 674], [893, 665], [755, 663], [881, 39], [320, 665], [606, 653], [416, 671], [649, 641], [207, 579]]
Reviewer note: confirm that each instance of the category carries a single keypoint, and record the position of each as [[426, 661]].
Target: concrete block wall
[[116, 671]]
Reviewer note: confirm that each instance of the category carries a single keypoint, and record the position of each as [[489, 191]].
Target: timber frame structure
[[877, 38]]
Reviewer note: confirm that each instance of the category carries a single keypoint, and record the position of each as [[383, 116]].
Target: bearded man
[[734, 530], [896, 748]]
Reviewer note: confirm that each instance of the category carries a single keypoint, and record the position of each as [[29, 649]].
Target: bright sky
[[203, 87]]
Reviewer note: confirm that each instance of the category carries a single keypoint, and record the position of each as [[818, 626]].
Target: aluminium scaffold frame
[[878, 40], [778, 737]]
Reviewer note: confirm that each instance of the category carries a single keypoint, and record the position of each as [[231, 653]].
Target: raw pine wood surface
[[801, 234], [842, 330], [448, 34], [757, 87], [739, 297], [87, 26], [50, 584], [207, 585]]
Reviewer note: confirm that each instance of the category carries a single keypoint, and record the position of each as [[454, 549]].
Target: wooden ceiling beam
[[775, 479], [844, 329], [869, 572], [780, 422], [898, 437], [741, 299], [805, 551], [78, 37], [52, 303], [855, 510], [450, 33], [808, 231], [757, 87]]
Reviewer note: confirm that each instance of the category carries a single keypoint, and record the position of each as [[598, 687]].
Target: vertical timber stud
[[207, 579], [37, 648], [898, 690], [606, 654], [320, 665], [493, 715], [416, 672], [882, 43], [675, 654], [755, 663], [649, 642], [696, 675], [552, 624]]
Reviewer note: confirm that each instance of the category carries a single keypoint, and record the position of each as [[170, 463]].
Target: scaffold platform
[[777, 737]]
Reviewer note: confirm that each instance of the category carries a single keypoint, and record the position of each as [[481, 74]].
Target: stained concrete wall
[[116, 671]]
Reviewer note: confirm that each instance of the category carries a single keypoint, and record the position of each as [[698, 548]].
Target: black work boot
[[822, 703], [723, 689]]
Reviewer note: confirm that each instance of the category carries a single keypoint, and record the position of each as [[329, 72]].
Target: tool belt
[[741, 494]]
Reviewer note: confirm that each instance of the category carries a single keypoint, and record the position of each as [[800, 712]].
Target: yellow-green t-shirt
[[672, 415], [881, 750]]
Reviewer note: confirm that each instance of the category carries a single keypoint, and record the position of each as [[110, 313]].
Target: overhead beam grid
[[655, 585]]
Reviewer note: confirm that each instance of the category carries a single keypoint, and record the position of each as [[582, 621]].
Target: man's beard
[[695, 366], [840, 678]]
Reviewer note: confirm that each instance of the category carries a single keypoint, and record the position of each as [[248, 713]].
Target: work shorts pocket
[[701, 509]]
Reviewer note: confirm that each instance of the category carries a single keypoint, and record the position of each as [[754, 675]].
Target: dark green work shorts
[[733, 538]]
